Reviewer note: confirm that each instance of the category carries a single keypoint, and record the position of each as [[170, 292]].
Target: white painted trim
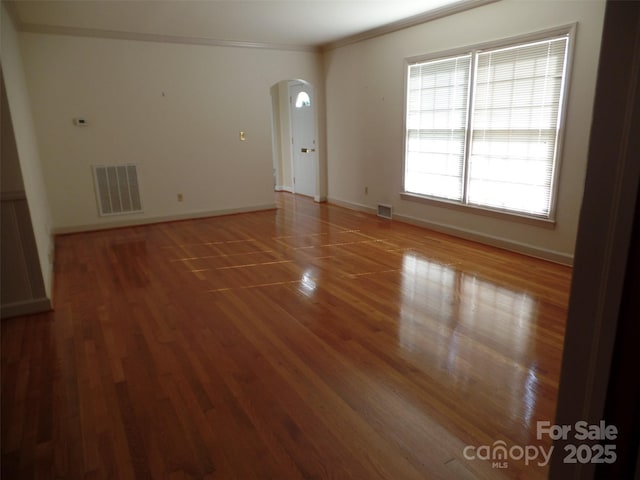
[[27, 307], [319, 198], [525, 37], [445, 11], [150, 37], [283, 188], [560, 30], [480, 210], [441, 12], [360, 207], [500, 242], [129, 222]]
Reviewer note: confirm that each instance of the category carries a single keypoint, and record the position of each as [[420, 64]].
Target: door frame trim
[[312, 94]]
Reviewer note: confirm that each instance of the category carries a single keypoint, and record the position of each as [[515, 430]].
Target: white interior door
[[304, 142]]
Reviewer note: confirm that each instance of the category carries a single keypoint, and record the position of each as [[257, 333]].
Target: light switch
[[242, 137]]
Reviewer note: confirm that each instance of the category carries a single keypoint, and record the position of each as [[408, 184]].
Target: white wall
[[176, 110], [27, 146], [365, 88], [283, 133], [10, 174]]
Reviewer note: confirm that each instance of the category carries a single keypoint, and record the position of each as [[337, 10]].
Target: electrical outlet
[[180, 197]]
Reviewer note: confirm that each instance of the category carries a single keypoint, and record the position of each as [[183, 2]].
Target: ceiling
[[288, 23]]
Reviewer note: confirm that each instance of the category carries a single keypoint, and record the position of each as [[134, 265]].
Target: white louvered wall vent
[[117, 189], [384, 211]]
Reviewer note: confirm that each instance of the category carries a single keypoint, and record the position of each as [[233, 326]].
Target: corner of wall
[[27, 146]]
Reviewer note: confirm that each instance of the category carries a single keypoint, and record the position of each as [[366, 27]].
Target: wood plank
[[307, 342]]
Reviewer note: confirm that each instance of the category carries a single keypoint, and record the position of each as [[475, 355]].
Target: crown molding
[[150, 37], [441, 12]]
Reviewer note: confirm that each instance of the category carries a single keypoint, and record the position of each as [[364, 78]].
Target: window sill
[[476, 210]]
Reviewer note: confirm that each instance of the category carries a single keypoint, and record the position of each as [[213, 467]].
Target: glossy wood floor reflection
[[311, 342]]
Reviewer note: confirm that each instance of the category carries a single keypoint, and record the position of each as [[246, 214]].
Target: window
[[482, 127], [303, 100]]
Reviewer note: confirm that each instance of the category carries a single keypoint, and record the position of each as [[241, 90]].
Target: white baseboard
[[27, 307], [316, 198], [132, 222], [501, 242], [352, 205]]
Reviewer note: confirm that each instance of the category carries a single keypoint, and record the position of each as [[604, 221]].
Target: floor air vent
[[384, 211], [117, 189]]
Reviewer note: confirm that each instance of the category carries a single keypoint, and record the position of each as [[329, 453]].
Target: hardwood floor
[[311, 342]]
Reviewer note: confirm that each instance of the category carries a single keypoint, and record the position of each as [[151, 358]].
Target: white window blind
[[436, 127], [511, 130], [515, 126]]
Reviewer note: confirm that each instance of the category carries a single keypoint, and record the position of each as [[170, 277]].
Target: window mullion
[[467, 138]]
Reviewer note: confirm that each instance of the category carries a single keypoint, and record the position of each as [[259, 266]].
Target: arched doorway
[[295, 138]]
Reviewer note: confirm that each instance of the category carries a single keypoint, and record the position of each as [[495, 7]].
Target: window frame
[[547, 34]]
